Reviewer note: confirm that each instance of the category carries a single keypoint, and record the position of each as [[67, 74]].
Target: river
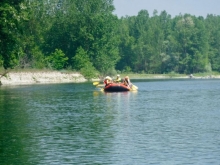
[[164, 122]]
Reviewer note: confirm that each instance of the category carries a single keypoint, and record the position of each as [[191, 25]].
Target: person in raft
[[118, 79], [107, 80], [127, 82]]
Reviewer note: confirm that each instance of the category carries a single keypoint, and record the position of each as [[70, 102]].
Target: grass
[[169, 75], [154, 76], [206, 74]]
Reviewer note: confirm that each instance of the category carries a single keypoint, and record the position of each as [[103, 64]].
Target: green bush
[[127, 69], [81, 59], [57, 60], [89, 71]]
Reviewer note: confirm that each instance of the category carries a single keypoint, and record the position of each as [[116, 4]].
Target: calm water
[[165, 122]]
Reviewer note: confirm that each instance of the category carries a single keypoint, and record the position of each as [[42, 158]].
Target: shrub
[[57, 60]]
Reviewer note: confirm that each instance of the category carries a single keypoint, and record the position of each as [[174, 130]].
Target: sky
[[172, 7]]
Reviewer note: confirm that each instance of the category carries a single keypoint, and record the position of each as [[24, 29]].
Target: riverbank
[[134, 76], [46, 77], [172, 76], [40, 77]]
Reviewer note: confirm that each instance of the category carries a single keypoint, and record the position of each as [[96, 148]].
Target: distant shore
[[49, 77], [172, 76]]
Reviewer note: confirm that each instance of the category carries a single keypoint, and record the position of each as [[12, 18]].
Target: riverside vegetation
[[85, 36]]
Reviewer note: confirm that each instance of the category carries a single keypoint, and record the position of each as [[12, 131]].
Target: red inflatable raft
[[116, 87]]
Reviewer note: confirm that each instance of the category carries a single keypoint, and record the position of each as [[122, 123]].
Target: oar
[[95, 83], [98, 85], [134, 87]]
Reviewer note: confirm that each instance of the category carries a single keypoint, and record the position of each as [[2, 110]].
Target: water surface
[[165, 122]]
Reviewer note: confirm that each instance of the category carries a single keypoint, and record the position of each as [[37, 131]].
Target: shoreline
[[170, 76], [51, 77]]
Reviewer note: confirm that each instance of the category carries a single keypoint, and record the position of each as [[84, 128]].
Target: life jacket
[[106, 82], [118, 79]]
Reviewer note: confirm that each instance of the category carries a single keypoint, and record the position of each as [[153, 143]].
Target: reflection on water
[[165, 122]]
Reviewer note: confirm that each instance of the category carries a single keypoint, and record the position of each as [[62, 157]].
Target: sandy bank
[[22, 78]]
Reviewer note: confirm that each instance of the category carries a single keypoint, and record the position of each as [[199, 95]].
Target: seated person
[[118, 79], [127, 82], [107, 80]]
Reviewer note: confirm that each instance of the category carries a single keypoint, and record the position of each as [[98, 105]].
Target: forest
[[85, 36]]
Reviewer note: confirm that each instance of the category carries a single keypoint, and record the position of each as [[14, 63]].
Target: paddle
[[134, 87], [98, 85], [95, 83]]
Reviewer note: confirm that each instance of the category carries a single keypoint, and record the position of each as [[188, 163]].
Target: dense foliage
[[86, 36]]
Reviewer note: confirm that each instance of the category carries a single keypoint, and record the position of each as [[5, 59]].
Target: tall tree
[[212, 24], [192, 38], [10, 18], [127, 40]]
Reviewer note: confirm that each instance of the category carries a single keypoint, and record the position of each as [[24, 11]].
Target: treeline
[[86, 36]]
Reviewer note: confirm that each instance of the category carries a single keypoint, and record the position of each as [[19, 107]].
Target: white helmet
[[108, 78]]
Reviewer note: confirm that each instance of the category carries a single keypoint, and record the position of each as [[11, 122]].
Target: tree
[[57, 60], [126, 44], [10, 17], [193, 46], [81, 62], [212, 24]]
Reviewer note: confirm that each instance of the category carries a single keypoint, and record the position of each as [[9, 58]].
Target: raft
[[116, 87]]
